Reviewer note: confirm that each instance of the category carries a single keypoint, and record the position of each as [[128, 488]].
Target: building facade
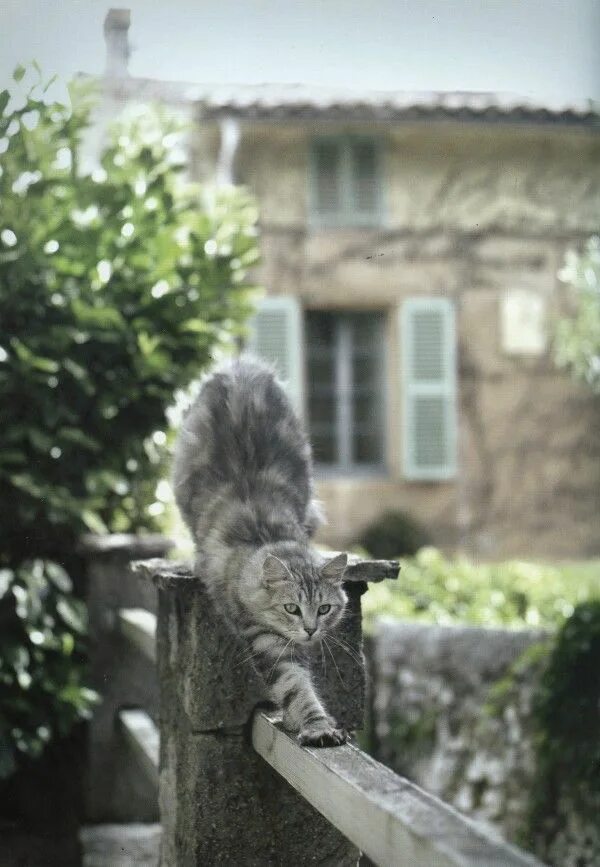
[[410, 252]]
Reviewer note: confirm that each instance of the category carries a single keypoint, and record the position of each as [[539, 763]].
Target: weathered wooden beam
[[143, 737], [388, 818], [168, 573], [139, 626]]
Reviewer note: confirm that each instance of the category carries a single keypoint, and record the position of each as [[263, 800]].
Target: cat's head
[[303, 598]]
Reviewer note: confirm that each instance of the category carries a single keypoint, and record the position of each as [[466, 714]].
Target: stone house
[[410, 251]]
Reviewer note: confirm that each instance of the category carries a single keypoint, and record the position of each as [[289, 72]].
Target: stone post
[[220, 803], [115, 791]]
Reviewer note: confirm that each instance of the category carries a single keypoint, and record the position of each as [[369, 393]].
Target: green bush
[[435, 589], [567, 734], [41, 650], [394, 534], [116, 286]]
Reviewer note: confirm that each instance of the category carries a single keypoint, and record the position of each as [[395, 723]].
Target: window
[[345, 384], [428, 353], [345, 181]]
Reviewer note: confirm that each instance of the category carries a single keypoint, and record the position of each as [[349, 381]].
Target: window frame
[[347, 215], [343, 425]]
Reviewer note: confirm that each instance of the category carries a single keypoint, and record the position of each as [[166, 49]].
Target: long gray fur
[[243, 482]]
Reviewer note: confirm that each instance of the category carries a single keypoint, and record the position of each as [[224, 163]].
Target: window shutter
[[327, 180], [276, 337], [364, 177], [428, 353]]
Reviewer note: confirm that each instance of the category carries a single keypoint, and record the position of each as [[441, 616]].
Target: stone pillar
[[115, 791], [220, 803]]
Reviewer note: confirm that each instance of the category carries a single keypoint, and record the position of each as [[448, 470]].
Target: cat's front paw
[[323, 733]]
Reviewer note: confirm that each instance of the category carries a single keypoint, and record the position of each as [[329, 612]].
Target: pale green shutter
[[327, 195], [428, 374], [364, 179], [276, 337]]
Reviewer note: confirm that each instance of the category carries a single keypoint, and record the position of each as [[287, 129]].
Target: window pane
[[364, 176], [367, 331], [327, 177], [346, 348], [324, 448], [321, 386], [367, 449], [367, 387]]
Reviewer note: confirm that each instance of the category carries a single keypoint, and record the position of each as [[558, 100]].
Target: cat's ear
[[274, 570], [334, 570]]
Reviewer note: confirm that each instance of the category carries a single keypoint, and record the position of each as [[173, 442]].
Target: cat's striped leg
[[303, 712], [290, 688]]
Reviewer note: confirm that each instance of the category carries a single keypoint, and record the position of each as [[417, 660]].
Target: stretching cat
[[242, 478]]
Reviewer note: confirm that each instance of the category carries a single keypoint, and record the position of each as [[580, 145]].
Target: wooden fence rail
[[388, 818]]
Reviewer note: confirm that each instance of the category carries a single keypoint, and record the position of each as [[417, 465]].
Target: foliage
[[435, 589], [566, 723], [116, 286], [41, 647], [577, 340], [394, 534]]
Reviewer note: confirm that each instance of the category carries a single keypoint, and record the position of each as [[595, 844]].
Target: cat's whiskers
[[333, 660], [248, 658], [285, 647], [324, 666], [346, 648]]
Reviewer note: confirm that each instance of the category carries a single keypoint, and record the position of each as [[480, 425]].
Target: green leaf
[[93, 521], [6, 579], [146, 343], [77, 436], [47, 365], [19, 72], [59, 577], [100, 317], [71, 614], [24, 482], [40, 440], [198, 326], [4, 99]]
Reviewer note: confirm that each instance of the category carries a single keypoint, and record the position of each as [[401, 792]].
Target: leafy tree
[[577, 344], [116, 286]]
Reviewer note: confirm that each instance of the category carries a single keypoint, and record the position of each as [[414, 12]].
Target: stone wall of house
[[434, 720], [473, 212]]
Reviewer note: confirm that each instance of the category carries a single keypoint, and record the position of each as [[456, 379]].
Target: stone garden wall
[[440, 716]]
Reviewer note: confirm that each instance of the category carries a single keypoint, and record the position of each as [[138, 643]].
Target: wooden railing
[[362, 806]]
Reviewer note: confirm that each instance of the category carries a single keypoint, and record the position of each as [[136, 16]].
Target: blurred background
[[398, 205]]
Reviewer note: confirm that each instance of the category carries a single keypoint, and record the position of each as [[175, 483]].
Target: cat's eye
[[324, 609], [291, 608]]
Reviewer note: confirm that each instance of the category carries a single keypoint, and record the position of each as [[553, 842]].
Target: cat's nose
[[310, 631]]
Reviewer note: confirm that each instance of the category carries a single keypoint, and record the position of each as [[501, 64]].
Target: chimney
[[116, 35]]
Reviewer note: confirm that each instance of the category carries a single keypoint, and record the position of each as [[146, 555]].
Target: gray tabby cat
[[242, 479]]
